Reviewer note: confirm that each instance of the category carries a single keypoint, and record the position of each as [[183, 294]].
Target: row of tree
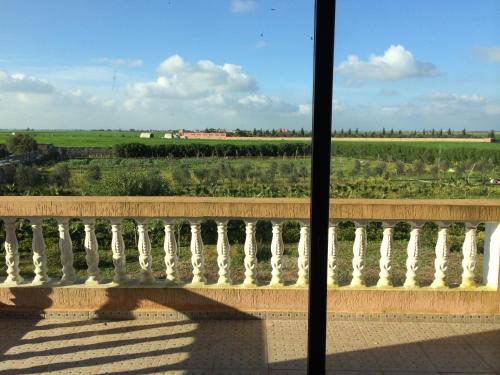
[[384, 133], [183, 150], [407, 153], [433, 133]]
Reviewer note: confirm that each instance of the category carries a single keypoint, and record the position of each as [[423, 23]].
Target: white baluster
[[250, 249], [303, 250], [91, 253], [412, 251], [171, 257], [491, 260], [118, 249], [358, 259], [386, 246], [277, 248], [441, 261], [145, 257], [11, 253], [332, 254], [39, 255], [469, 250], [223, 250], [197, 259], [66, 249]]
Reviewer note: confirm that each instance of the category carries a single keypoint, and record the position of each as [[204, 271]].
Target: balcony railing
[[195, 210]]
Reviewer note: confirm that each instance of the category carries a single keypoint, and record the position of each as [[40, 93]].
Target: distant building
[[200, 135], [146, 135], [168, 135]]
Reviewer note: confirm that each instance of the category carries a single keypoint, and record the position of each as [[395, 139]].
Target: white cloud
[[264, 103], [184, 94], [304, 109], [174, 64], [441, 103], [118, 63], [178, 79], [20, 83], [241, 6], [490, 53], [396, 63], [447, 102], [206, 87]]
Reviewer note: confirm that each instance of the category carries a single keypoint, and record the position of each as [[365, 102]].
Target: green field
[[109, 138], [80, 138]]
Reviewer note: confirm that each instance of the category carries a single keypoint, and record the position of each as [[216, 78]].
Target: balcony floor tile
[[72, 346]]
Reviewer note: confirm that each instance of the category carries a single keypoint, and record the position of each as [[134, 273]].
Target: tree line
[[432, 133], [406, 153], [186, 150]]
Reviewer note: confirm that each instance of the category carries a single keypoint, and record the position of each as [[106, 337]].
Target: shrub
[[93, 173], [21, 144], [61, 175], [130, 182], [27, 178]]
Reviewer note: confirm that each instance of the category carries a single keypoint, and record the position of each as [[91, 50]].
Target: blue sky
[[239, 63]]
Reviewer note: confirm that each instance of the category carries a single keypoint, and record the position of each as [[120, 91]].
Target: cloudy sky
[[169, 64]]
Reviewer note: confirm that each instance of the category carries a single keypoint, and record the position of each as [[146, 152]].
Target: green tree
[[181, 175], [130, 182], [27, 178], [400, 168], [419, 167], [21, 144], [380, 168], [60, 176], [356, 168], [201, 174], [93, 173]]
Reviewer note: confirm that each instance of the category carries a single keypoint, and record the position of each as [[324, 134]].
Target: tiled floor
[[244, 347]]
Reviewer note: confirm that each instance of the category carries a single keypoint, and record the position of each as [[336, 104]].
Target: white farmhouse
[[146, 135]]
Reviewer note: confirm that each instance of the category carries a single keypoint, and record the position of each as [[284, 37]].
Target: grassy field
[[109, 138]]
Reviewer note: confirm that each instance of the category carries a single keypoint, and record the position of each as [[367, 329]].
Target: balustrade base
[[248, 315], [238, 298], [93, 281], [38, 282], [384, 284]]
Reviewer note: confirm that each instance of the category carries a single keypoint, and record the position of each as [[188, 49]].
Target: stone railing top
[[258, 208]]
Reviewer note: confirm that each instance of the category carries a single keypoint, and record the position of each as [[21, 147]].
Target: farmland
[[110, 138], [256, 168], [103, 138], [359, 170]]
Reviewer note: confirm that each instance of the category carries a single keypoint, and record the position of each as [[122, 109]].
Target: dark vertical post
[[320, 182]]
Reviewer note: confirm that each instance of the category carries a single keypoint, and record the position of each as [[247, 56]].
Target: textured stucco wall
[[481, 301]]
